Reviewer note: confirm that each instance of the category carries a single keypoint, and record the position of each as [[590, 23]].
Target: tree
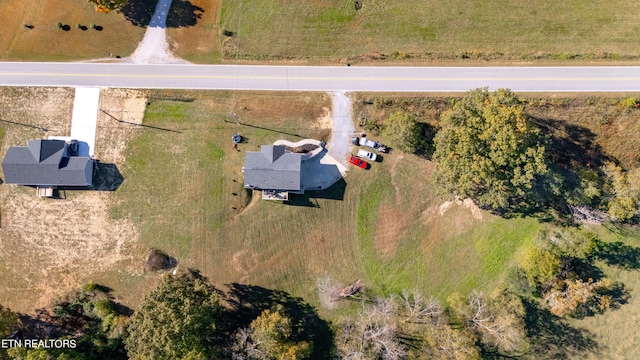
[[270, 336], [624, 192], [577, 296], [446, 342], [8, 322], [177, 320], [402, 132], [539, 265], [487, 150], [497, 319], [105, 6], [374, 335]]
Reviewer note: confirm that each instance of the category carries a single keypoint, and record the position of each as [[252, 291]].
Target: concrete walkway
[[83, 121]]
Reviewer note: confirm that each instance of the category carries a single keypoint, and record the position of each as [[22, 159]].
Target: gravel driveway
[[153, 49], [339, 145]]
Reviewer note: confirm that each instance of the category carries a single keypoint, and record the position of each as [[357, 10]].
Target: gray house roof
[[46, 163], [272, 169]]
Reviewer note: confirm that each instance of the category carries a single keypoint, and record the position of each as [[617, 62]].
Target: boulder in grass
[[156, 260]]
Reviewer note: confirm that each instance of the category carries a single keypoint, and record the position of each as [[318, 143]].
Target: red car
[[357, 162]]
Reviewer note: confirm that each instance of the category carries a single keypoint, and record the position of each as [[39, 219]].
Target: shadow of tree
[[619, 254], [553, 338], [183, 14], [248, 302], [571, 145], [427, 146], [574, 156], [139, 12]]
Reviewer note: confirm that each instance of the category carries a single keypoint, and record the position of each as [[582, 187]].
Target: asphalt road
[[316, 78]]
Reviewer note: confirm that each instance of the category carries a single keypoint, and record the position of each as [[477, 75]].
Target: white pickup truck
[[363, 141]]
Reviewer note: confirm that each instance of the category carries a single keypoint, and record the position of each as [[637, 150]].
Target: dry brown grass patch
[[128, 107], [200, 42], [46, 42]]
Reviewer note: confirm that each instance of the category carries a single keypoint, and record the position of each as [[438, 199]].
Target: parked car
[[367, 155], [363, 141], [357, 162]]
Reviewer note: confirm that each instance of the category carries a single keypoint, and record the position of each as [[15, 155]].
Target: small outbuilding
[[48, 164]]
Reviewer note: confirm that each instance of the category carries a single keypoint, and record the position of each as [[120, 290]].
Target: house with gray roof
[[47, 163], [272, 168]]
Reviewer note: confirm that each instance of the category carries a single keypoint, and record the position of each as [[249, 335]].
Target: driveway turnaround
[[322, 78], [83, 121]]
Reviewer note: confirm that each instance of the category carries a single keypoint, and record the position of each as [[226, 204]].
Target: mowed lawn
[[183, 189], [332, 29], [45, 42]]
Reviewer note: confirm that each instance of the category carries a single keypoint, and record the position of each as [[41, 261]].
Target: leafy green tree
[[572, 244], [487, 150], [105, 6], [403, 132], [8, 322], [44, 354], [178, 320], [624, 192], [272, 335], [540, 265]]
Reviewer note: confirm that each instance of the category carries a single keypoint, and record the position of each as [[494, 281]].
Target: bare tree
[[373, 335], [420, 311], [244, 347], [499, 321]]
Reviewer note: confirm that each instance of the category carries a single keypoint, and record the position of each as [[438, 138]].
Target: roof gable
[[272, 168], [47, 151], [46, 162]]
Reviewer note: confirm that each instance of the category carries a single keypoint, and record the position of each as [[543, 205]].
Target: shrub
[[629, 102], [78, 26], [59, 25], [93, 26]]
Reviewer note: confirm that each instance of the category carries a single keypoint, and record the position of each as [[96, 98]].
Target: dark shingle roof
[[46, 163], [272, 169]]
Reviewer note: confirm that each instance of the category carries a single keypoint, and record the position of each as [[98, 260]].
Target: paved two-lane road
[[318, 78]]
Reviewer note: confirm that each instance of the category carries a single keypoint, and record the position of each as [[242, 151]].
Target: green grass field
[[516, 30], [386, 229]]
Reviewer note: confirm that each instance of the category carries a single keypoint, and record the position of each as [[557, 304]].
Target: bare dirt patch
[[392, 218], [450, 218], [119, 119], [324, 121], [391, 221]]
